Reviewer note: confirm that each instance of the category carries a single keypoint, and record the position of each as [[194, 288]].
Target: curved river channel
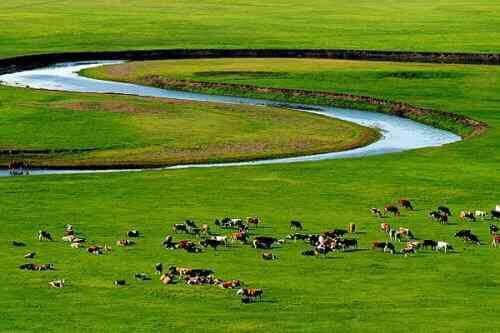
[[398, 134]]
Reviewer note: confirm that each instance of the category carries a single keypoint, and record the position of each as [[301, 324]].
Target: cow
[[133, 233], [182, 271], [404, 233], [405, 203], [295, 225], [230, 284], [429, 243], [18, 244], [199, 272], [495, 241], [222, 239], [384, 246], [408, 250], [30, 255], [125, 242], [37, 267], [168, 243], [188, 246], [44, 235], [462, 233], [263, 242], [269, 256], [441, 245], [467, 215], [376, 211], [213, 243], [159, 268], [472, 238], [251, 293], [179, 227], [439, 216], [96, 250], [57, 284], [335, 233], [241, 236], [493, 229], [385, 227], [253, 220], [141, 277], [76, 245], [495, 214], [167, 279], [119, 283], [349, 243], [445, 210], [392, 209], [480, 214]]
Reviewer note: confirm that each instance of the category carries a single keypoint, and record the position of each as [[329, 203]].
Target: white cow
[[220, 239], [480, 213], [57, 283], [441, 245]]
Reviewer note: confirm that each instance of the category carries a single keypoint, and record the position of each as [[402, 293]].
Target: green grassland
[[361, 291], [76, 130], [35, 26]]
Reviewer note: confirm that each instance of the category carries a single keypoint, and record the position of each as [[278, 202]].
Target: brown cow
[[405, 203], [392, 209]]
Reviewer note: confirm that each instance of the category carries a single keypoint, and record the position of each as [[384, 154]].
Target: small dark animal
[[296, 225], [133, 233], [392, 209], [120, 282], [44, 235], [429, 243], [30, 255], [405, 203], [462, 233], [159, 268], [142, 276], [18, 244]]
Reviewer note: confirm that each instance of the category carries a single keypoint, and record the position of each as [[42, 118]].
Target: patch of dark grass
[[420, 75]]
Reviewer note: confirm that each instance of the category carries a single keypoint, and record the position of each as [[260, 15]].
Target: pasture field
[[63, 130], [358, 291], [37, 26]]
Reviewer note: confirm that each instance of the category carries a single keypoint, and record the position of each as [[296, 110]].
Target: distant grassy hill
[[36, 26]]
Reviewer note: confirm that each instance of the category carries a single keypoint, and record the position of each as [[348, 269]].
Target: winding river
[[398, 134]]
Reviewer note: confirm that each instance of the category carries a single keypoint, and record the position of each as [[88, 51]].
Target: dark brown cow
[[392, 209]]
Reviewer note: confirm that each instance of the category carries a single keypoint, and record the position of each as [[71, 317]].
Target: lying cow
[[37, 267], [250, 294], [133, 233], [230, 284], [269, 256], [57, 284], [297, 236], [30, 255], [263, 242], [167, 279]]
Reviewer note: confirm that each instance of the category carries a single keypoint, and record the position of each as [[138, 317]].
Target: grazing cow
[[251, 293], [57, 284], [18, 244], [445, 210], [263, 242], [439, 216], [213, 243], [30, 255], [384, 246], [405, 203], [386, 227], [159, 268], [133, 233], [141, 277], [295, 225], [493, 229], [441, 245], [44, 235], [241, 236], [408, 250], [495, 214], [467, 215], [179, 227], [429, 243], [376, 212], [269, 256], [472, 238], [462, 233], [495, 241], [125, 242], [392, 209], [297, 236], [119, 283], [253, 220], [404, 233]]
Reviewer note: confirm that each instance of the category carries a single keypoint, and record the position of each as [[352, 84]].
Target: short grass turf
[[75, 130], [357, 291], [39, 26]]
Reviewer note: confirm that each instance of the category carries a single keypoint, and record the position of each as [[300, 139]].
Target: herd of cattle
[[232, 230]]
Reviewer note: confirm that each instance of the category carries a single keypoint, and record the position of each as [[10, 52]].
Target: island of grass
[[63, 130], [364, 85]]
